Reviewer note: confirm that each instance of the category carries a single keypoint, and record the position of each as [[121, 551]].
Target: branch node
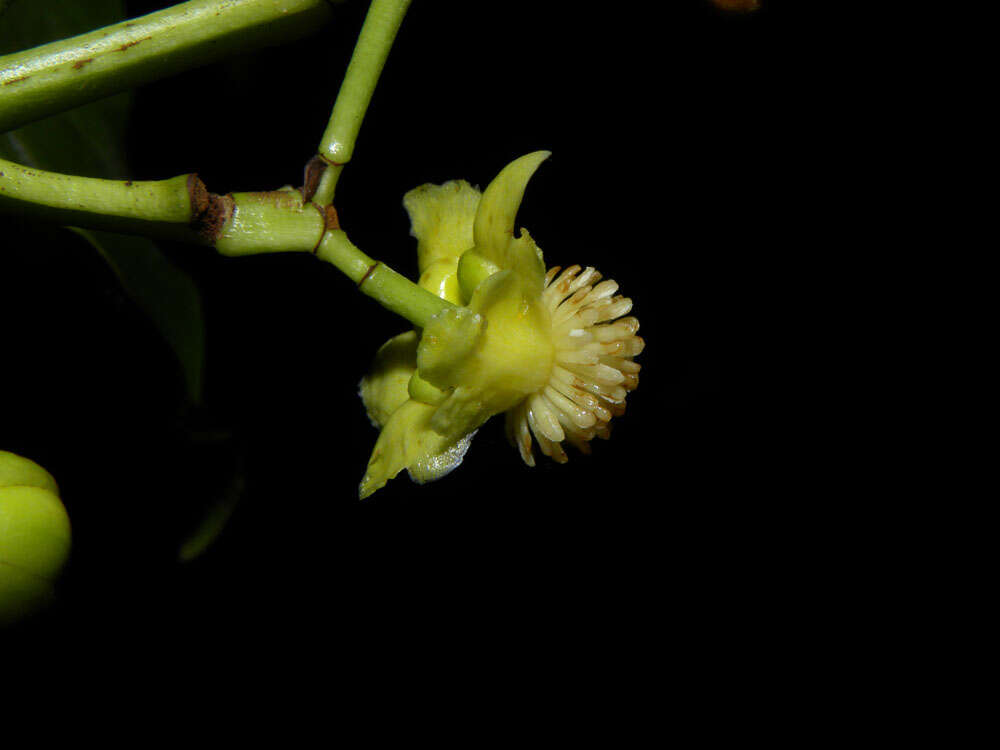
[[368, 273], [198, 194], [330, 222], [314, 170], [209, 212]]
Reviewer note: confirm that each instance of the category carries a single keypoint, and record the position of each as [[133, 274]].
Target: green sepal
[[473, 270], [490, 370], [450, 337], [493, 231], [421, 390], [409, 442]]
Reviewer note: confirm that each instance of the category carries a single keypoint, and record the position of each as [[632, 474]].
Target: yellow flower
[[552, 350]]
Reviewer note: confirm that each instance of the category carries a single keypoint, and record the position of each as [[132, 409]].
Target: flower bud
[[34, 537]]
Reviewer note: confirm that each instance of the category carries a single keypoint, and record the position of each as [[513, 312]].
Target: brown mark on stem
[[80, 63], [739, 6], [209, 212], [133, 43], [330, 222], [314, 170], [198, 194], [322, 234], [285, 199], [12, 81], [332, 219], [210, 223], [368, 273]]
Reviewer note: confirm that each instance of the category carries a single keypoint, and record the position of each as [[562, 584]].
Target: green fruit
[[34, 537], [17, 471]]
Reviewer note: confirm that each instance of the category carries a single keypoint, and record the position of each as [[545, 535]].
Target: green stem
[[179, 208], [239, 224], [390, 289], [39, 82], [375, 279], [275, 221], [155, 208], [376, 38]]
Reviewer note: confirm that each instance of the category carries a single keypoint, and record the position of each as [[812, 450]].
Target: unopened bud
[[34, 537]]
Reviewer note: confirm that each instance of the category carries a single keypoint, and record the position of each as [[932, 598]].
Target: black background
[[671, 134]]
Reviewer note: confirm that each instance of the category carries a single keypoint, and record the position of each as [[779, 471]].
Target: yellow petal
[[441, 218], [408, 442], [441, 278], [385, 388]]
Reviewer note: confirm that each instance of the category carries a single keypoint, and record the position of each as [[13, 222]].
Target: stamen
[[593, 371], [545, 418], [577, 415]]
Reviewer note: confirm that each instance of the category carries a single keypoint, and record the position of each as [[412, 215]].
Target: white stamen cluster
[[593, 368]]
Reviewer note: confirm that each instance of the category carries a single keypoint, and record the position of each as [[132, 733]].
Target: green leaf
[[214, 520], [89, 141], [28, 23], [86, 140]]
